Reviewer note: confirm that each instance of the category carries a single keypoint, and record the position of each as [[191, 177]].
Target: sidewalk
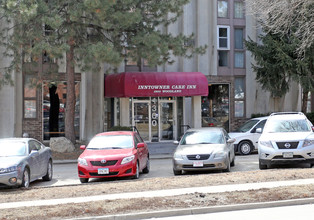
[[158, 193]]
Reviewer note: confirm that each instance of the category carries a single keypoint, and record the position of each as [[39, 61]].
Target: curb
[[201, 210]]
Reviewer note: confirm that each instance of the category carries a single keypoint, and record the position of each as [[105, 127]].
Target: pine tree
[[91, 32]]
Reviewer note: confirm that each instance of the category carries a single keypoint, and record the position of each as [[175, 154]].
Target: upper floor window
[[238, 48], [222, 9], [223, 37], [238, 9]]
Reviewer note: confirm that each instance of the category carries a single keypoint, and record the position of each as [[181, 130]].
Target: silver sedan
[[204, 149], [23, 160]]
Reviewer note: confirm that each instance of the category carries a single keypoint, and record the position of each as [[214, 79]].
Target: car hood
[[11, 161], [291, 136], [198, 149], [94, 154], [238, 134]]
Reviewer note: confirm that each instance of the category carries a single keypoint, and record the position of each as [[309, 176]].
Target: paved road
[[278, 213], [66, 174]]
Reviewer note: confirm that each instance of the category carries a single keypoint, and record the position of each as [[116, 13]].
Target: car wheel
[[48, 175], [262, 166], [177, 172], [84, 180], [26, 178], [233, 162], [228, 166], [137, 172], [245, 148], [147, 168]]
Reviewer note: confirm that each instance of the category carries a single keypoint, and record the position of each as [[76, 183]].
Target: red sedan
[[113, 154]]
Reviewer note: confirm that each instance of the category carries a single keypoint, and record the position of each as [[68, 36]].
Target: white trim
[[228, 37]]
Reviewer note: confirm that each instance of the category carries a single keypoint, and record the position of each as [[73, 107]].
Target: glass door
[[141, 119], [167, 120]]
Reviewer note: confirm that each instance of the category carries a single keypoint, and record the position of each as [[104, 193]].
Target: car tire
[[262, 166], [228, 166], [26, 178], [84, 180], [49, 173], [147, 168], [245, 148], [137, 172], [177, 172]]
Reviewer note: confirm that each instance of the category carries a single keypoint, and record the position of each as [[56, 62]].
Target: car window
[[247, 125], [12, 148], [203, 137], [278, 126], [261, 124], [111, 142]]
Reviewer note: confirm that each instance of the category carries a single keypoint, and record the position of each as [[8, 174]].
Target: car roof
[[206, 129], [108, 133], [288, 115]]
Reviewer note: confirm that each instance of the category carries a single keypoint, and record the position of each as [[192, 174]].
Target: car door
[[142, 154], [33, 160], [42, 158], [256, 135]]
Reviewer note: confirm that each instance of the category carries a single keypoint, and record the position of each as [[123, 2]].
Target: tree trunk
[[70, 99], [305, 97]]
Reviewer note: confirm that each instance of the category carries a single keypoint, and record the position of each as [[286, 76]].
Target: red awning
[[154, 84]]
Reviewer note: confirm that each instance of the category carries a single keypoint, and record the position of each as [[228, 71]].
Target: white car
[[287, 138], [246, 135]]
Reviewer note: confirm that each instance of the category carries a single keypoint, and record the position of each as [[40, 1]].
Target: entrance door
[[141, 119], [167, 120]]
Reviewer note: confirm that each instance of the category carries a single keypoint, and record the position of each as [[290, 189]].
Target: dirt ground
[[149, 204]]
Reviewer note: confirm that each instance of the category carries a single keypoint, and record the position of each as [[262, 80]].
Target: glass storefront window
[[239, 108], [54, 105], [239, 95], [215, 107], [30, 97]]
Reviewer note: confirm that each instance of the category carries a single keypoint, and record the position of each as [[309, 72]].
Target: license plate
[[103, 171], [287, 155], [198, 164]]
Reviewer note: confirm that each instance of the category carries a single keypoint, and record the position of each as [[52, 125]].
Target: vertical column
[[196, 112], [124, 112]]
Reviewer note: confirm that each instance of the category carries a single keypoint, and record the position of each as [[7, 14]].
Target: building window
[[308, 103], [238, 48], [223, 58], [54, 105], [30, 96], [223, 37], [222, 9], [238, 9], [239, 96]]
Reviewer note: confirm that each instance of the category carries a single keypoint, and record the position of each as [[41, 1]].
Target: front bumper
[[10, 179], [123, 170], [185, 164]]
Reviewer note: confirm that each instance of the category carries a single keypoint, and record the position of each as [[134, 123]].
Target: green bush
[[257, 115]]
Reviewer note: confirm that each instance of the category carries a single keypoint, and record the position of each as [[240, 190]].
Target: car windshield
[[247, 125], [202, 137], [12, 148], [279, 126], [111, 142]]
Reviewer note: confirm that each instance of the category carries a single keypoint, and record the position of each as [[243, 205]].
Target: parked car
[[113, 154], [208, 148], [246, 135], [23, 160], [287, 138]]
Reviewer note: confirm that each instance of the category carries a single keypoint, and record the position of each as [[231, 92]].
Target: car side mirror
[[231, 140], [140, 145], [176, 142], [83, 147], [259, 130]]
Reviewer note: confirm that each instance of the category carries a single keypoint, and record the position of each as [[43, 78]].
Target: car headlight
[[220, 154], [266, 144], [8, 170], [82, 162], [308, 142], [127, 159], [177, 156]]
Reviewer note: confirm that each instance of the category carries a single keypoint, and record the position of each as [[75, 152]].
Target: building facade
[[161, 108]]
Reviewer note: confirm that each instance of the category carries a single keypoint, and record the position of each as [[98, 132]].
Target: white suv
[[287, 138]]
